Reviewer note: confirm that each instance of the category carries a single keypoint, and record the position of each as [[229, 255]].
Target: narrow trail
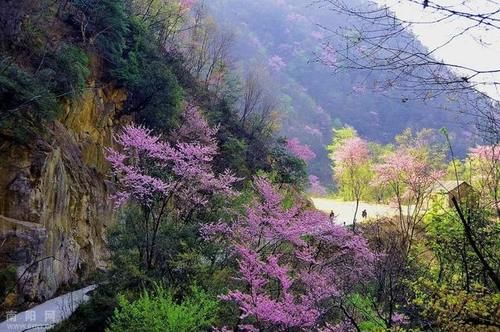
[[47, 314]]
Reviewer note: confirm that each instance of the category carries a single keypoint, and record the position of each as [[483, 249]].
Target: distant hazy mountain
[[282, 38]]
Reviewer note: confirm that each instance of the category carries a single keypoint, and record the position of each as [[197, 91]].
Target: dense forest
[[163, 153]]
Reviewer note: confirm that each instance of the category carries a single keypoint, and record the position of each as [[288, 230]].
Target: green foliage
[[352, 177], [157, 96], [457, 264], [455, 292], [232, 138], [340, 135], [164, 18], [355, 182], [368, 318], [378, 193], [69, 68], [181, 252], [286, 168], [455, 309], [379, 151], [111, 19], [458, 169], [41, 70], [236, 148], [106, 25], [135, 62], [158, 311], [124, 240], [26, 101], [426, 144], [8, 278]]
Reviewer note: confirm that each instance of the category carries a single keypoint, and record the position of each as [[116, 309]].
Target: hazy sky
[[478, 48]]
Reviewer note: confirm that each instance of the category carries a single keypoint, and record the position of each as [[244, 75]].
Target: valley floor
[[344, 210]]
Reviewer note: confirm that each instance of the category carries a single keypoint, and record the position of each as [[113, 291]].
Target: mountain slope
[[285, 38]]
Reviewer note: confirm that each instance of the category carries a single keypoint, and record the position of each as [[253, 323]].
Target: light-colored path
[[43, 316], [344, 211]]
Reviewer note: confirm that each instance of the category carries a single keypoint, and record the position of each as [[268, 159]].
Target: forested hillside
[[286, 44]]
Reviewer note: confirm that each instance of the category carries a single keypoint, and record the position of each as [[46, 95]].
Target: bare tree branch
[[377, 40]]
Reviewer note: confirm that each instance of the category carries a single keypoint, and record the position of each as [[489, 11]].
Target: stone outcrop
[[54, 204]]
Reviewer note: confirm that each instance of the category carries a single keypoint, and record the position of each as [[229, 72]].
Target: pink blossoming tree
[[294, 264], [299, 150], [352, 169], [484, 162], [166, 180], [408, 174], [410, 179]]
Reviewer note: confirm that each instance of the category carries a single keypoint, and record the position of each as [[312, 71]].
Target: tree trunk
[[355, 215]]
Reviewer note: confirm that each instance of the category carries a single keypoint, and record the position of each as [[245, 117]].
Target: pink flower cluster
[[399, 319], [187, 4], [486, 152], [353, 152], [316, 188], [301, 151], [408, 175], [194, 128], [290, 261], [148, 168], [313, 131], [329, 55], [276, 63]]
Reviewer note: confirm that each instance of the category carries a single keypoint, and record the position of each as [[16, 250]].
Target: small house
[[462, 191]]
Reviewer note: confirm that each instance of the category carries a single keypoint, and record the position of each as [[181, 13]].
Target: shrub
[[133, 60], [236, 148], [106, 25], [288, 169], [158, 311], [154, 93], [367, 316], [26, 101], [8, 280], [71, 68]]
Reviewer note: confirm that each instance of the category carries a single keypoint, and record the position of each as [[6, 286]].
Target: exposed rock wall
[[54, 206]]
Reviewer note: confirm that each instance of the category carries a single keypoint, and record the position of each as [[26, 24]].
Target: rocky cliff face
[[54, 206]]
